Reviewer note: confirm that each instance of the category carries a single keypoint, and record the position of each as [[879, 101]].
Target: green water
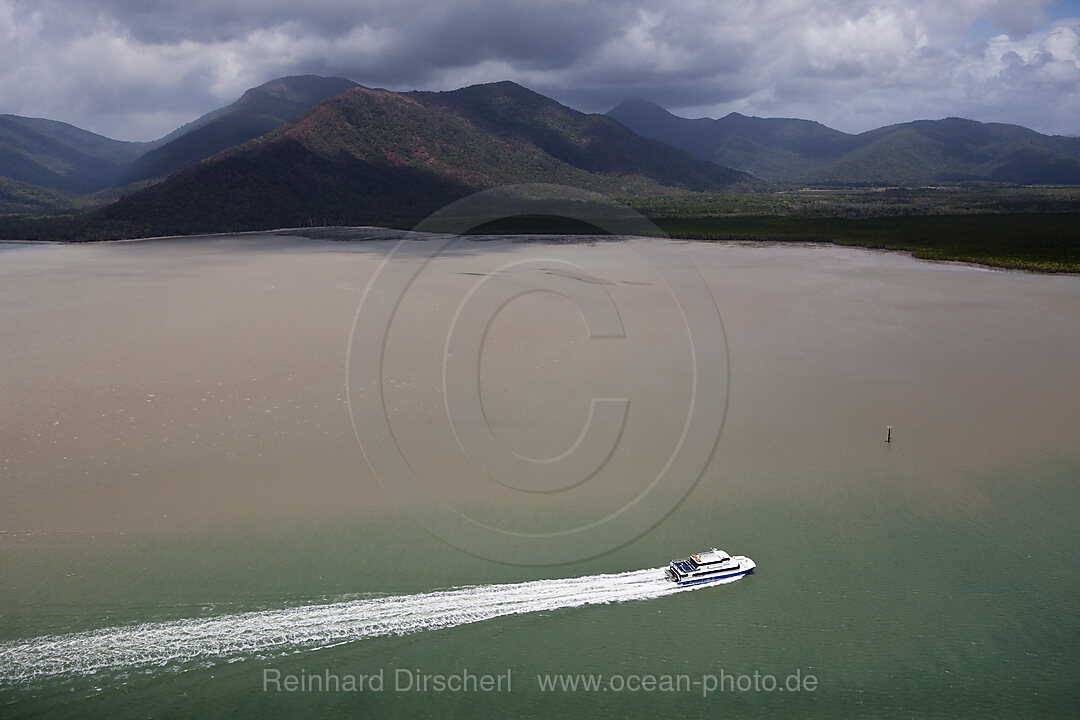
[[896, 610], [932, 576]]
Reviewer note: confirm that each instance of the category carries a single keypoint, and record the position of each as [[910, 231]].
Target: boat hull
[[733, 575], [682, 575]]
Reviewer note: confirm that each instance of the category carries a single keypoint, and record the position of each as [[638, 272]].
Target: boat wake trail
[[177, 643]]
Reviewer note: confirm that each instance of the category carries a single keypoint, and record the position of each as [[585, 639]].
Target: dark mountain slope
[[59, 156], [257, 112], [378, 156], [590, 142], [20, 197], [652, 121]]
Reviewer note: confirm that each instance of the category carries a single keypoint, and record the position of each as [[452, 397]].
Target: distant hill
[[374, 155], [925, 152], [46, 165], [61, 157], [257, 112], [20, 197]]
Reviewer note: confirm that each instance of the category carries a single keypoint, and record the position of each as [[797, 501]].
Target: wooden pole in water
[[888, 437]]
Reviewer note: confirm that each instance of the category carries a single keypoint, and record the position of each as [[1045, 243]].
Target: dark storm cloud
[[138, 68], [531, 37], [165, 21], [453, 31]]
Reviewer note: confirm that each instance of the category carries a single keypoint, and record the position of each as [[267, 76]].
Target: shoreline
[[363, 233], [768, 242]]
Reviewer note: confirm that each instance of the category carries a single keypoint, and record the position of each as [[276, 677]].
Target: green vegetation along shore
[[1024, 228], [1042, 242], [1035, 229]]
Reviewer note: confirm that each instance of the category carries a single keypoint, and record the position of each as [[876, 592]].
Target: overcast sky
[[137, 69]]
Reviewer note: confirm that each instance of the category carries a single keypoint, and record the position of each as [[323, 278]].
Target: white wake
[[270, 632]]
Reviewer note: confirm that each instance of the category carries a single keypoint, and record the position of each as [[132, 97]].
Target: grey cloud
[[139, 67], [167, 21], [525, 28], [529, 36]]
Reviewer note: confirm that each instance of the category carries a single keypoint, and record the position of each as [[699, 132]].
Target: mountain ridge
[[60, 156], [375, 155], [49, 165], [371, 154], [258, 111], [921, 152]]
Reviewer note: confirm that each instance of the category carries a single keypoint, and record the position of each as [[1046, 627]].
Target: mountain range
[[368, 155], [307, 149], [45, 164], [310, 149], [925, 152]]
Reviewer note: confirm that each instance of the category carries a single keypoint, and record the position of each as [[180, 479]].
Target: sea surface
[[211, 504]]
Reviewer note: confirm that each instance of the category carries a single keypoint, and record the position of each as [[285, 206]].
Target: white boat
[[709, 567]]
